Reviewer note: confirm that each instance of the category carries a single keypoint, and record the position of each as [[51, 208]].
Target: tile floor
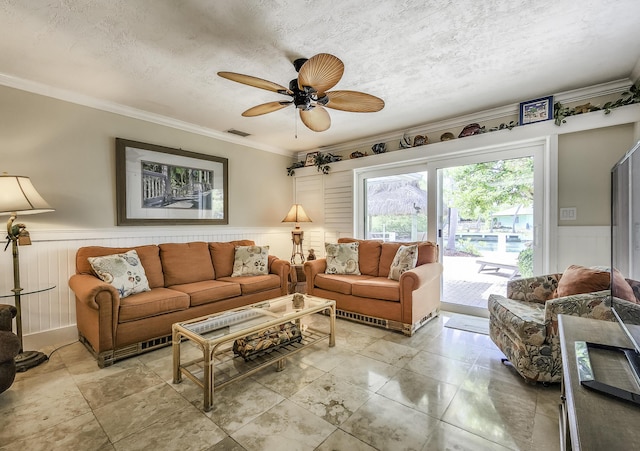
[[440, 389]]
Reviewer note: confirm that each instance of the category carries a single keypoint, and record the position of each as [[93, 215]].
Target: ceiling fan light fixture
[[310, 92]]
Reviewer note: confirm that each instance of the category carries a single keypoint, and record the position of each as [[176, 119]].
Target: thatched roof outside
[[396, 198]]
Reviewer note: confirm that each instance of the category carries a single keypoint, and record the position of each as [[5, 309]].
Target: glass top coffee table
[[216, 335]]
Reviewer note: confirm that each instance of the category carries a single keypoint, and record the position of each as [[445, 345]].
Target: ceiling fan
[[310, 92]]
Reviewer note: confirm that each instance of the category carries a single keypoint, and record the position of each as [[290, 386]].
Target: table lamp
[[296, 215], [18, 195]]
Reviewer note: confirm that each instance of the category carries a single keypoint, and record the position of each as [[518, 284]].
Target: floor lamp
[[296, 215], [18, 195]]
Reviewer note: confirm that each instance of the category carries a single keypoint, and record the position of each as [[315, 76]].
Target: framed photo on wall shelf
[[311, 158], [536, 110], [158, 185]]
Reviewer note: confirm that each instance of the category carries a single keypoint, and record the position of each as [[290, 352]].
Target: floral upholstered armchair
[[524, 324]]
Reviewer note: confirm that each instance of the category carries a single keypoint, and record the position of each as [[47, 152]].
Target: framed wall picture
[[536, 110], [311, 158], [158, 185]]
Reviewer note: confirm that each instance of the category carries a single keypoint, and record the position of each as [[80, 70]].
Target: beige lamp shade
[[296, 214], [18, 195]]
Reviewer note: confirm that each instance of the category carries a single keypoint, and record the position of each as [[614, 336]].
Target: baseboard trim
[[52, 337]]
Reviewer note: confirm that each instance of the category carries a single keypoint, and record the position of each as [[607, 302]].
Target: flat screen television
[[625, 271], [625, 220]]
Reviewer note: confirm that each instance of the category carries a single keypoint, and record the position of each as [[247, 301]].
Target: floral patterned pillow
[[342, 258], [406, 258], [123, 271], [251, 261]]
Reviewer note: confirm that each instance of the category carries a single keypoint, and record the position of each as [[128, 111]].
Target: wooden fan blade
[[265, 108], [316, 119], [322, 72], [354, 101], [255, 82]]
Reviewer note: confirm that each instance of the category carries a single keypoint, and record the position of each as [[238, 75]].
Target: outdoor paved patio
[[464, 285]]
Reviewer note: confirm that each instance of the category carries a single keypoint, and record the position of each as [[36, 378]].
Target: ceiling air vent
[[238, 132]]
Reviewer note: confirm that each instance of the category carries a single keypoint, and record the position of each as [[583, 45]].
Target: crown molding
[[576, 95], [134, 113]]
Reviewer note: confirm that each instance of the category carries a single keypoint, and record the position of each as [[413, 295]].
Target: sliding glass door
[[485, 208], [489, 222]]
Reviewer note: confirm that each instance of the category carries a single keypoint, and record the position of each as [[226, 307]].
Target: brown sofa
[[372, 297], [187, 280]]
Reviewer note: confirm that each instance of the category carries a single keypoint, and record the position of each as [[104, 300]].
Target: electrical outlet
[[568, 214]]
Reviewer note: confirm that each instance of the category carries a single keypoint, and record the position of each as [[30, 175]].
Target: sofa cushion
[[405, 259], [251, 261], [342, 258], [207, 291], [339, 283], [149, 257], [579, 279], [622, 288], [254, 284], [368, 255], [123, 271], [156, 302], [427, 253], [186, 263], [377, 288], [223, 255]]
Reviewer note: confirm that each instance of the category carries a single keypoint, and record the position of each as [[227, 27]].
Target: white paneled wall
[[51, 260], [328, 200], [586, 246]]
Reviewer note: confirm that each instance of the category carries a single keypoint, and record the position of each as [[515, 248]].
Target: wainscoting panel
[[50, 260], [586, 246]]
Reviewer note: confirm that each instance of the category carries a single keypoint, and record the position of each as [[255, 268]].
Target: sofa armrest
[[94, 294], [91, 291], [588, 305], [311, 269], [420, 291], [282, 268], [533, 289], [7, 313]]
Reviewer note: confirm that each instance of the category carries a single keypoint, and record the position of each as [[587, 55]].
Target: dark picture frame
[[310, 159], [536, 110], [157, 185]]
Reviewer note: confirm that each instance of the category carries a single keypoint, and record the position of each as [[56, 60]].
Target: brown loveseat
[[372, 298], [187, 280]]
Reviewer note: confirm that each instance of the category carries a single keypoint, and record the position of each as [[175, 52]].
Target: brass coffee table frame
[[219, 366]]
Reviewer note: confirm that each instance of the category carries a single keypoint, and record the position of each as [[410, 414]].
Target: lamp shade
[[18, 195], [296, 214]]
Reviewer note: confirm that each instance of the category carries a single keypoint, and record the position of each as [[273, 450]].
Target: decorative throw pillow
[[342, 258], [123, 271], [405, 259], [580, 279], [251, 261]]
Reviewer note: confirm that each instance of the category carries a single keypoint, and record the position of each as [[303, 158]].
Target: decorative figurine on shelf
[[298, 300], [405, 142], [312, 255], [420, 140], [470, 130], [379, 148], [357, 154], [448, 136]]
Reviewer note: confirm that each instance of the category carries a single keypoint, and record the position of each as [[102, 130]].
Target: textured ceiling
[[428, 60]]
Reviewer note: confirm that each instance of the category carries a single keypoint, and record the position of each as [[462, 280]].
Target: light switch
[[568, 214]]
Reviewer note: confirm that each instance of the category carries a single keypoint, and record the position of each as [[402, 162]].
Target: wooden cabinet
[[590, 420]]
